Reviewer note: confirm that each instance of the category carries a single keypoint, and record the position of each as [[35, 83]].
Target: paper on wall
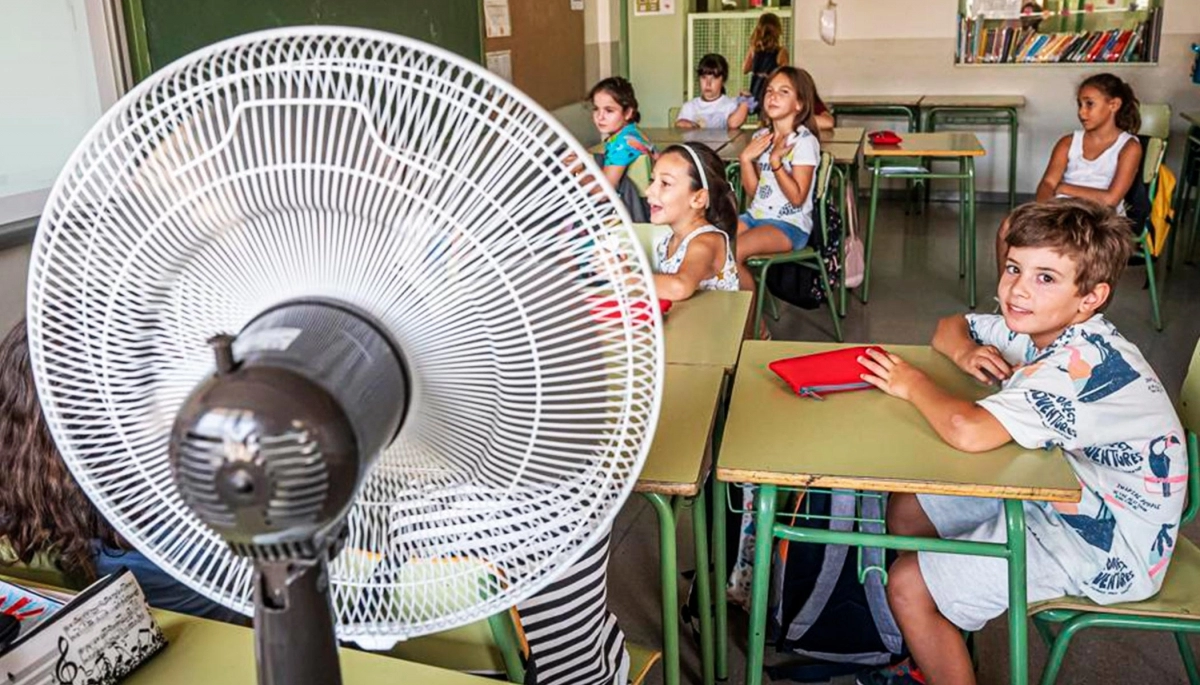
[[497, 22], [577, 4], [499, 62], [649, 8]]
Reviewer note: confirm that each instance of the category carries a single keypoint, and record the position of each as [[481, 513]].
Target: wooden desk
[[867, 440], [715, 138], [905, 107], [679, 462], [203, 651], [844, 154], [974, 110], [962, 146], [708, 328], [844, 134]]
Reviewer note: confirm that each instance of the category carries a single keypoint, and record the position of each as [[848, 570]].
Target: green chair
[[1156, 125], [807, 257], [672, 115], [1176, 607]]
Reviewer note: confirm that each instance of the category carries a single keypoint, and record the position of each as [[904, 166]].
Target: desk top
[[873, 100], [946, 144], [1192, 117], [680, 457], [712, 137], [203, 651], [843, 134], [708, 328], [1017, 101], [868, 440]]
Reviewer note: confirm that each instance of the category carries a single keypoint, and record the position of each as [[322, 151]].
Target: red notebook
[[814, 375]]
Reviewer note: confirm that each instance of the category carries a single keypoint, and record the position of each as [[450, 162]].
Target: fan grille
[[393, 176]]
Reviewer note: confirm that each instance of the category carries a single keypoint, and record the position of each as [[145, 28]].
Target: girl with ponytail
[[689, 193], [1099, 163]]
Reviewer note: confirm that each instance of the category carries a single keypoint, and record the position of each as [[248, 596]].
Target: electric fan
[[317, 313]]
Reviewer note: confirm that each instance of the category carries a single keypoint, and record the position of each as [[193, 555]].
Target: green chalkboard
[[161, 31]]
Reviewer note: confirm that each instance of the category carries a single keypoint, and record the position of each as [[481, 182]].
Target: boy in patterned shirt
[[1069, 380]]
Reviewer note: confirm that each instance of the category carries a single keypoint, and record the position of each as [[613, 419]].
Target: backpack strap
[[873, 509]]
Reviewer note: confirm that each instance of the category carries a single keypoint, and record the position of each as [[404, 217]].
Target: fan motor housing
[[270, 450]]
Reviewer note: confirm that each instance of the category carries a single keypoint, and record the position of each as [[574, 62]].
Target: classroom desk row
[[924, 113]]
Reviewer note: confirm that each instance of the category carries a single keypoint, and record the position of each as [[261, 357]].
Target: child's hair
[[1086, 232], [722, 203], [806, 93], [768, 33], [1129, 117], [621, 90], [713, 64], [41, 507]]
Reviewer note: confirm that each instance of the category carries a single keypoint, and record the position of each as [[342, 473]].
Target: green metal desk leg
[[1014, 127], [670, 590], [1018, 628], [720, 492], [970, 199], [962, 218], [764, 536], [874, 206], [703, 586]]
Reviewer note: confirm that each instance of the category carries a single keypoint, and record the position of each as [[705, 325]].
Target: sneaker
[[903, 673]]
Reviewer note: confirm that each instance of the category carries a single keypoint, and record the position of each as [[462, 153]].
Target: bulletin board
[[545, 48], [161, 31]]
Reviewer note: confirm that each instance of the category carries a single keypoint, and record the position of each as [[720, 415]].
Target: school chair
[[1176, 607], [43, 569], [672, 115], [808, 257], [1156, 128]]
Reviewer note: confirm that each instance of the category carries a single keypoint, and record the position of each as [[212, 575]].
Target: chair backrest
[[1156, 125], [648, 236], [1189, 414], [672, 115], [823, 178]]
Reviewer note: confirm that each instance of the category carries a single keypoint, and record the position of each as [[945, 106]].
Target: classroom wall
[[907, 46], [657, 56]]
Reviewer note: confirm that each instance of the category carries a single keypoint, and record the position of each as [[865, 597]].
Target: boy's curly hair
[[1089, 234]]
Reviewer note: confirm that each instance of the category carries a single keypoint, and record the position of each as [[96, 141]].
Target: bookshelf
[[1059, 32]]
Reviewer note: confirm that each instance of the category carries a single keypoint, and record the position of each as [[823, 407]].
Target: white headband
[[699, 170]]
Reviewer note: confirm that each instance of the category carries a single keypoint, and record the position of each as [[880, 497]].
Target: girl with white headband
[[689, 193]]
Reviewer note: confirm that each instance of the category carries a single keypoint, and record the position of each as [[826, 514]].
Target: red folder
[[814, 375]]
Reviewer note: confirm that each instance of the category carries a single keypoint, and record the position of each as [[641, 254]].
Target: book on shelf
[[1005, 41]]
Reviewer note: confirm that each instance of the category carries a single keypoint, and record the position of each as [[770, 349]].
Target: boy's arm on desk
[[953, 340], [963, 424]]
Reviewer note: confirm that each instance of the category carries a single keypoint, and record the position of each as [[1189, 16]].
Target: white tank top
[[1095, 173], [726, 278]]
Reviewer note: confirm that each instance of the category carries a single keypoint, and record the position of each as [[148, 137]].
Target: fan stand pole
[[293, 624]]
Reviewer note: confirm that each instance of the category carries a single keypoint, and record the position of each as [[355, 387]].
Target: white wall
[[907, 46]]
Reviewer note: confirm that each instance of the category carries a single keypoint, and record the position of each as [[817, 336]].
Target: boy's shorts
[[971, 590]]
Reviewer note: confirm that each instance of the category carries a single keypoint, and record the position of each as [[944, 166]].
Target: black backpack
[[819, 608], [800, 285]]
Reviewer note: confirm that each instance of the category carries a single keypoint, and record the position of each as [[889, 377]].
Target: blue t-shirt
[[625, 146]]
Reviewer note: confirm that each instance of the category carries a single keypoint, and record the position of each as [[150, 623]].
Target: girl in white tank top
[[689, 193], [1095, 173]]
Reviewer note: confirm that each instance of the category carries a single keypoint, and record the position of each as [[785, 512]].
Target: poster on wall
[[499, 62], [577, 5], [650, 8], [497, 22]]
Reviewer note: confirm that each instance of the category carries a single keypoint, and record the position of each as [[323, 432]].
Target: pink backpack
[[855, 266]]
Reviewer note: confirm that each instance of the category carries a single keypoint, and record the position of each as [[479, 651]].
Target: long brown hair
[[42, 509], [768, 33], [806, 93]]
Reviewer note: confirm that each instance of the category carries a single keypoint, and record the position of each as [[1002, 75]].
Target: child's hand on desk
[[985, 363], [891, 374]]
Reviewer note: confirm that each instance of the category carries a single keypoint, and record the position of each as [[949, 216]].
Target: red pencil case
[[609, 310], [814, 375], [885, 138]]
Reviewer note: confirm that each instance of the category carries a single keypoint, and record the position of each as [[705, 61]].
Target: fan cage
[[386, 173]]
